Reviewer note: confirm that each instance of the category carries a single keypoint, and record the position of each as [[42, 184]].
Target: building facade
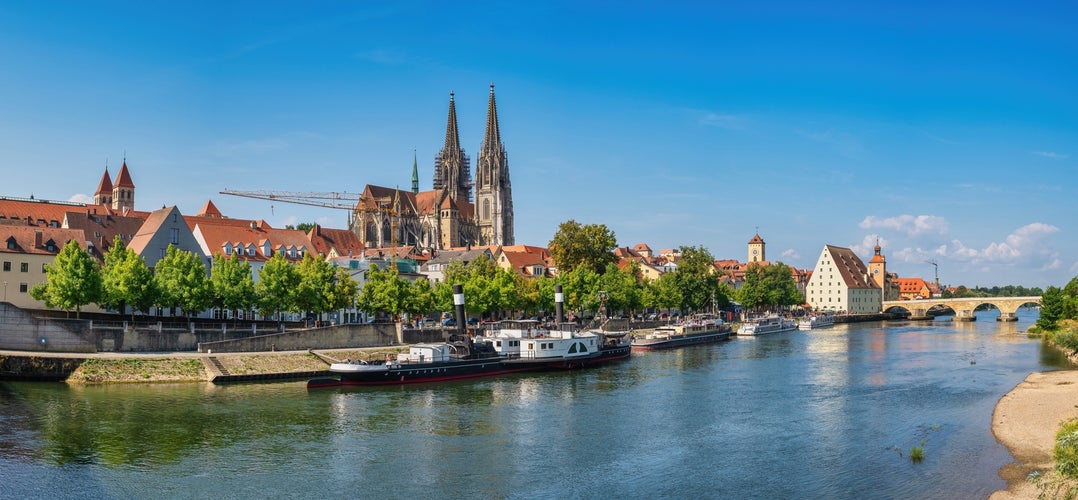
[[841, 282]]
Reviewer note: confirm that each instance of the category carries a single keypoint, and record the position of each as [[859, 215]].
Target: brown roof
[[100, 230], [850, 267], [105, 187], [209, 210], [31, 212], [345, 242], [911, 285], [756, 239], [518, 261], [216, 236], [124, 177], [148, 229], [26, 239]]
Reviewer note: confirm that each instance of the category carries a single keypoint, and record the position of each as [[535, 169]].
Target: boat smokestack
[[458, 303], [559, 305]]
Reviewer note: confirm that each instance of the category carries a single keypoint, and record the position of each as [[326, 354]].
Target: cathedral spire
[[451, 165], [415, 173], [492, 140]]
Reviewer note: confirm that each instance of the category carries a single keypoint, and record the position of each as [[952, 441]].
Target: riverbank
[[110, 368], [1026, 421]]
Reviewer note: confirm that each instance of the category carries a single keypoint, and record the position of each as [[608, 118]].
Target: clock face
[[875, 271], [755, 251]]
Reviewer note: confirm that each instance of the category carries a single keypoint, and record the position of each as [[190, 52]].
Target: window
[[7, 265], [24, 267], [44, 268], [23, 287], [11, 243]]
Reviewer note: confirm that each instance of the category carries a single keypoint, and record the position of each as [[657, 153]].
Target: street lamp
[[5, 291]]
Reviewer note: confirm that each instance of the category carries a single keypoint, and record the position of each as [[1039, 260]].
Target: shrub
[[1066, 449]]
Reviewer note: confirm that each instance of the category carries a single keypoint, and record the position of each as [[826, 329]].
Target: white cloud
[[712, 119], [1026, 243], [910, 225], [867, 246], [791, 254], [1051, 154], [81, 198]]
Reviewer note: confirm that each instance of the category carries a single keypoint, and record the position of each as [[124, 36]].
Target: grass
[[105, 371], [917, 453]]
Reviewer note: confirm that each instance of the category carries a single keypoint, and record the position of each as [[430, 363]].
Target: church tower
[[123, 191], [103, 195], [756, 249], [494, 194], [877, 268], [451, 166], [415, 174]]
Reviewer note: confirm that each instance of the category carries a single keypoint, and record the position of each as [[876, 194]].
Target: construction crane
[[937, 268]]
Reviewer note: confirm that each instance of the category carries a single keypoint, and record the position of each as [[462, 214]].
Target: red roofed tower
[[103, 195], [123, 191]]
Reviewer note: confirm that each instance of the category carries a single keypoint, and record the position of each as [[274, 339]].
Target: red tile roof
[[850, 267], [343, 241], [105, 187], [35, 240], [31, 212], [124, 178], [210, 210]]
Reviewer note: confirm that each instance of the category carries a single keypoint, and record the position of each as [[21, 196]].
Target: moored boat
[[698, 330], [766, 325], [816, 321]]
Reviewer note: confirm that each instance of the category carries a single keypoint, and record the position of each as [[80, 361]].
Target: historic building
[[841, 283], [445, 217], [119, 195], [757, 250]]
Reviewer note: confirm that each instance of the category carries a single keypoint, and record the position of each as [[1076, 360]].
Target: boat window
[[572, 349], [584, 348]]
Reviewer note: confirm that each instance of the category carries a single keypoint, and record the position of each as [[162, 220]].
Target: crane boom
[[336, 200]]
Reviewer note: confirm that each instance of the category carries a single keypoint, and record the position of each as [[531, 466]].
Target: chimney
[[37, 239]]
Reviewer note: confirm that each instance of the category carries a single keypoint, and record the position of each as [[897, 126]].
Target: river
[[824, 414]]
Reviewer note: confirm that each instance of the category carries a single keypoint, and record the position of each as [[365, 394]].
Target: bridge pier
[[964, 315], [1005, 316], [920, 315]]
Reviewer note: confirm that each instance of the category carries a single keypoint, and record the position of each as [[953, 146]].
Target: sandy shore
[[1026, 421]]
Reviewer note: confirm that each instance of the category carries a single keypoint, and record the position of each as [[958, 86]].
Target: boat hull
[[681, 341]]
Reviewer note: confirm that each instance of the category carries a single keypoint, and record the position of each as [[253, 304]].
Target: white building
[[841, 283]]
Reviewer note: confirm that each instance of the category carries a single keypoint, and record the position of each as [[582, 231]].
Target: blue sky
[[949, 130]]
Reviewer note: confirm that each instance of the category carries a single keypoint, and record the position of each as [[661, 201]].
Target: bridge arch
[[963, 307]]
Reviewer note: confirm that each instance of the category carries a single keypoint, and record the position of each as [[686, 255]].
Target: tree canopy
[[181, 281], [72, 280], [768, 286], [126, 280], [575, 245]]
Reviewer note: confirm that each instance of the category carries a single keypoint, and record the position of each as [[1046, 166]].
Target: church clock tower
[[756, 249]]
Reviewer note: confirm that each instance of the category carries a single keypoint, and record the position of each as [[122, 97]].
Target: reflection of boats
[[765, 325], [814, 321], [698, 330]]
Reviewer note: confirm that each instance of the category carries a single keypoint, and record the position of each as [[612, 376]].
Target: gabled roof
[[26, 239], [519, 261], [210, 210], [148, 229], [756, 239], [850, 267], [123, 179], [464, 256], [342, 242]]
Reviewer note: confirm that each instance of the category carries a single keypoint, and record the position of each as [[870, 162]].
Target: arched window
[[486, 209]]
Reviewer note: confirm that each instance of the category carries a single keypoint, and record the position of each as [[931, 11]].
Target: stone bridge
[[963, 308]]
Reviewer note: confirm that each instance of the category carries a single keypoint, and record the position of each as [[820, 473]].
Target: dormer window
[[292, 252], [251, 250], [228, 248], [266, 249], [50, 246], [11, 243]]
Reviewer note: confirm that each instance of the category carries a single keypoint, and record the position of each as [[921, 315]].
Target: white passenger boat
[[816, 321], [766, 325]]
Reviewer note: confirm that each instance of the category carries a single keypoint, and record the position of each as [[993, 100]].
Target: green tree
[[126, 280], [1052, 306], [384, 292], [575, 245], [581, 289], [344, 289], [277, 282], [770, 286], [1070, 300], [72, 280], [315, 290], [622, 288], [697, 279], [419, 299], [231, 283], [181, 281]]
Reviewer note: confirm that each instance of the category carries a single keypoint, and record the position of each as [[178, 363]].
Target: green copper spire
[[415, 174]]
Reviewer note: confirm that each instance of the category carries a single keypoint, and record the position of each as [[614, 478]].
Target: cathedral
[[446, 216]]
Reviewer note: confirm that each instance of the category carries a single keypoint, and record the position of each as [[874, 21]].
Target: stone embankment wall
[[37, 368], [330, 337], [21, 331]]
